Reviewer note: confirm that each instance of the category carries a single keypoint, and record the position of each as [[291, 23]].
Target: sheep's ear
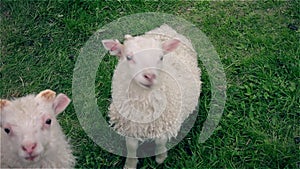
[[46, 95], [60, 103], [113, 46], [4, 103], [170, 45]]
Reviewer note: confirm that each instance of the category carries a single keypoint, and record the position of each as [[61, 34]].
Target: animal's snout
[[149, 76], [29, 147]]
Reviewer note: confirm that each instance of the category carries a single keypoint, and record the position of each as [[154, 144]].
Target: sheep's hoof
[[131, 163], [160, 158]]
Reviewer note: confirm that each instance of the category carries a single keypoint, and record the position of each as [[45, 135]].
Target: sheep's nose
[[29, 147], [149, 76]]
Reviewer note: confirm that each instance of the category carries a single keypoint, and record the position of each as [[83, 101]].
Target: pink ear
[[60, 103], [113, 46], [170, 45]]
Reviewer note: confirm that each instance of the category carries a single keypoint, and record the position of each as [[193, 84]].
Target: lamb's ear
[[46, 95], [113, 46], [60, 103], [3, 103], [170, 45]]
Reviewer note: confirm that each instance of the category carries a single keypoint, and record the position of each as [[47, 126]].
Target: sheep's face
[[29, 124], [143, 57], [144, 63], [27, 131]]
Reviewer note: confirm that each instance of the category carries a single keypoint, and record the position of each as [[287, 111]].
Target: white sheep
[[31, 137], [156, 85]]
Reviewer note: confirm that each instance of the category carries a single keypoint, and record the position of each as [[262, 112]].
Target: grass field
[[257, 42]]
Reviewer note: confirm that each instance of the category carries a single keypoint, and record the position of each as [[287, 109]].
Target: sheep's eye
[[7, 130], [162, 58], [128, 58], [48, 121]]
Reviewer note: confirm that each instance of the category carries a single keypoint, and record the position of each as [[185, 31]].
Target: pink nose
[[149, 76], [29, 147]]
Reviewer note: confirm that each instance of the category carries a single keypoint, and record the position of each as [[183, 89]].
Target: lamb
[[155, 87], [31, 137]]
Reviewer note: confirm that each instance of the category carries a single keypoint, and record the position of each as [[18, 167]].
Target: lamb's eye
[[162, 58], [129, 58], [48, 121], [7, 130]]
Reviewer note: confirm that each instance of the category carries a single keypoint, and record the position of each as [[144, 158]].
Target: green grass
[[40, 42]]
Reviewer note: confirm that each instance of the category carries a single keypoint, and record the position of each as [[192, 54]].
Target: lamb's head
[[29, 124], [143, 57]]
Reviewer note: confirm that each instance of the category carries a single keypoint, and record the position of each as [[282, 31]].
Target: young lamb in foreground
[[155, 87], [30, 134]]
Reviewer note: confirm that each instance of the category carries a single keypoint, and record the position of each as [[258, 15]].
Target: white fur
[[154, 112], [26, 117]]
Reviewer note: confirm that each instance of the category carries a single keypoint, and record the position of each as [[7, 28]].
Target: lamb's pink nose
[[149, 76], [29, 147]]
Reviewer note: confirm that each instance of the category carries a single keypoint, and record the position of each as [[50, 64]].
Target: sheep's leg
[[132, 145], [161, 149]]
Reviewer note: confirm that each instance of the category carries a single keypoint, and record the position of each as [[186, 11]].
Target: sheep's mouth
[[148, 86], [31, 157]]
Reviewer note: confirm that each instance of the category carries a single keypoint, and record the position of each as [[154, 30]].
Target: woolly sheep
[[156, 85], [31, 137]]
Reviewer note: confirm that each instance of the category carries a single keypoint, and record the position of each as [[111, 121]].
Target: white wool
[[137, 44], [25, 115], [149, 114]]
